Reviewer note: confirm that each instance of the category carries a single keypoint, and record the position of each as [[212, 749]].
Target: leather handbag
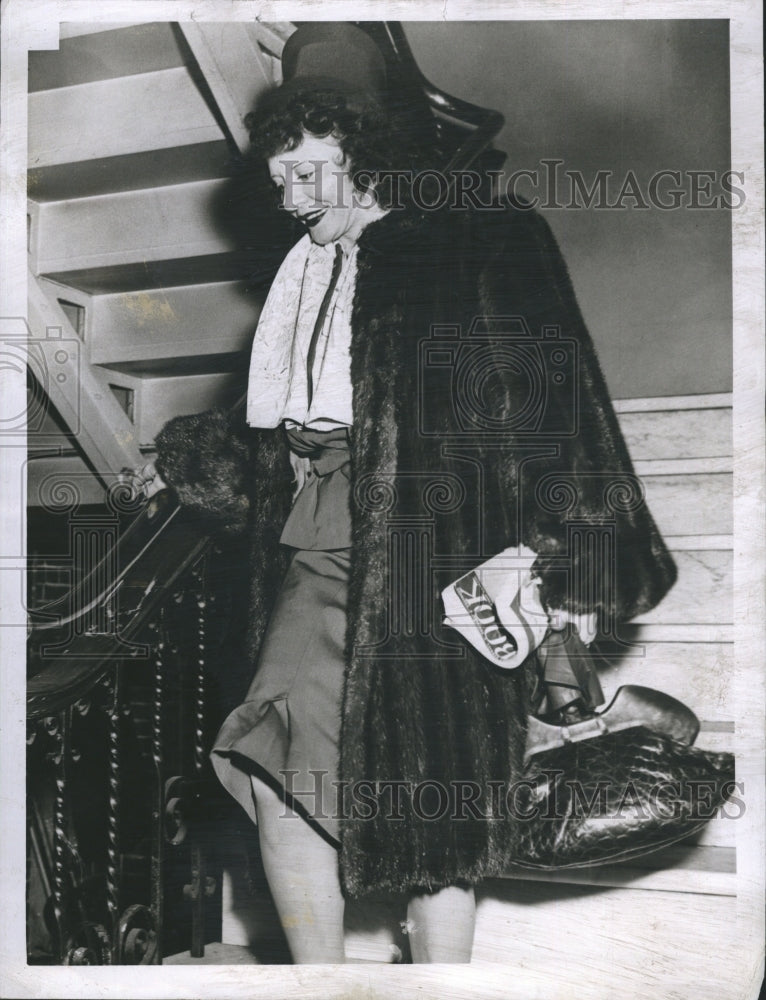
[[603, 787]]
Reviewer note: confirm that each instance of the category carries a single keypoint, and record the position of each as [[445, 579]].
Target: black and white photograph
[[382, 445]]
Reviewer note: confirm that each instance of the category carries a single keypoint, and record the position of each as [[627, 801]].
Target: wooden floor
[[229, 954]]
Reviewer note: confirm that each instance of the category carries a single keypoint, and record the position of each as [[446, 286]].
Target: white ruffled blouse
[[278, 382]]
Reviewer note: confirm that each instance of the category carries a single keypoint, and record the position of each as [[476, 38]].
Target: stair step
[[672, 404], [110, 117], [106, 54], [690, 868], [684, 466], [664, 434], [699, 543], [113, 174], [157, 400], [701, 675], [142, 275], [178, 368], [171, 323], [568, 940], [691, 504], [132, 227], [73, 29], [702, 593]]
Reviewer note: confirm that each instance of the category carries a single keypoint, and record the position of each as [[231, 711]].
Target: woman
[[423, 394]]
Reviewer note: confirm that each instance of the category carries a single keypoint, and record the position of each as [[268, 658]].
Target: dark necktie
[[321, 316]]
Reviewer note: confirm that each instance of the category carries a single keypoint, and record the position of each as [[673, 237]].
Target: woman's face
[[317, 189]]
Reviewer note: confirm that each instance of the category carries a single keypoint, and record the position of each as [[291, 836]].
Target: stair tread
[[104, 55], [129, 172], [681, 868], [63, 128], [168, 273]]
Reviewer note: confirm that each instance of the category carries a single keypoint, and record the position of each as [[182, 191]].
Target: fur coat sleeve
[[238, 481], [623, 568], [206, 458]]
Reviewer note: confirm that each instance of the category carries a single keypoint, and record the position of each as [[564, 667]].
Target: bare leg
[[440, 925], [302, 871]]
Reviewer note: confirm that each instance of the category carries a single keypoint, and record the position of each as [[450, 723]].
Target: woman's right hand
[[147, 480]]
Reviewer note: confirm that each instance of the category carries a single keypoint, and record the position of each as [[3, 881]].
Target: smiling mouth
[[312, 218]]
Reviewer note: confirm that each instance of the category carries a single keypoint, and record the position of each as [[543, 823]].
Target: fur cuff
[[205, 457]]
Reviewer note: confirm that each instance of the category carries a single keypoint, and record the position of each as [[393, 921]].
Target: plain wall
[[654, 285]]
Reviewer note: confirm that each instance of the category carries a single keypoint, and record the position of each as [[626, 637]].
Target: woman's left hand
[[145, 480], [586, 624]]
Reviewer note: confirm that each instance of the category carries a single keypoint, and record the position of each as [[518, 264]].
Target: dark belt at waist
[[326, 450], [320, 517]]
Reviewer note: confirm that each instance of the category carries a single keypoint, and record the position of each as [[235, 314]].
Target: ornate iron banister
[[119, 726]]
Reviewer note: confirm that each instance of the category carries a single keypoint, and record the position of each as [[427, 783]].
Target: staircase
[[141, 295], [138, 308]]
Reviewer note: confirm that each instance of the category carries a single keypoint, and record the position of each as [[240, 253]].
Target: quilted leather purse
[[609, 786]]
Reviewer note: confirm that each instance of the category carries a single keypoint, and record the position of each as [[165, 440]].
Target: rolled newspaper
[[497, 608]]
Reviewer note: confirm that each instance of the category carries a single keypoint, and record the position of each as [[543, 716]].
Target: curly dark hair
[[374, 135]]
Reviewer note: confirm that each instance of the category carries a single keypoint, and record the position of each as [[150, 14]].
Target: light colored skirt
[[287, 730]]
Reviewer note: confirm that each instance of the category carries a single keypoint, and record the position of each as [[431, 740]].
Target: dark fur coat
[[481, 420]]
